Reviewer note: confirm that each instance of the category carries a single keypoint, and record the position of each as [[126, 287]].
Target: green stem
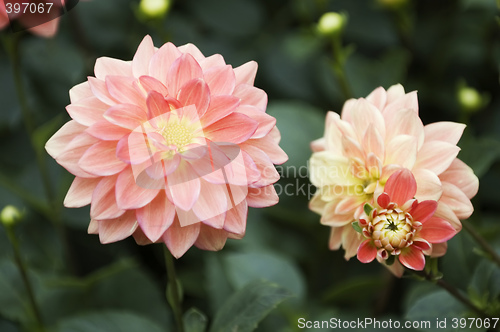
[[172, 292], [338, 62], [482, 242], [24, 275]]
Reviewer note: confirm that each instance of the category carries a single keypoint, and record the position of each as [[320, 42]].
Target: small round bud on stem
[[10, 215], [154, 8], [331, 23], [470, 99]]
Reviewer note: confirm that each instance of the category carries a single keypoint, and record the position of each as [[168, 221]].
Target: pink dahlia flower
[[373, 138], [400, 226], [43, 21], [170, 147]]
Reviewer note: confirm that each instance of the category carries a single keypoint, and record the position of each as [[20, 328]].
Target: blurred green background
[[435, 47]]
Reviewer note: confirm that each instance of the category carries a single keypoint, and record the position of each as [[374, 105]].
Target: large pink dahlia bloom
[[373, 138], [170, 147]]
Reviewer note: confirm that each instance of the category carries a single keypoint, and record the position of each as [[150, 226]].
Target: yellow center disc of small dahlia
[[177, 135], [393, 229]]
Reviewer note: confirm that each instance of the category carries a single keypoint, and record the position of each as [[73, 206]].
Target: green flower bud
[[10, 215], [470, 99], [331, 23], [154, 8]]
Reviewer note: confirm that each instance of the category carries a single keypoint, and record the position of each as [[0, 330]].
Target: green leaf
[[106, 321], [247, 307], [356, 227], [14, 299], [195, 321], [368, 208], [217, 284]]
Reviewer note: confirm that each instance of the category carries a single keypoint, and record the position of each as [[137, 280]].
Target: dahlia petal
[[126, 115], [444, 131], [423, 211], [245, 74], [351, 241], [149, 84], [211, 203], [156, 217], [87, 111], [47, 29], [234, 128], [402, 150], [100, 90], [117, 229], [436, 156], [140, 238], [268, 173], [331, 218], [104, 201], [179, 239], [192, 50], [331, 170], [262, 197], [142, 57], [318, 145], [80, 91], [412, 258], [100, 159], [264, 120], [438, 249], [461, 176], [352, 149], [73, 152], [428, 185], [251, 95], [445, 212], [183, 186], [401, 186], [219, 108], [409, 100], [211, 239], [378, 98], [364, 114], [395, 92], [396, 269], [383, 200], [56, 145], [129, 194], [456, 200], [133, 148], [162, 61], [373, 142], [437, 230], [93, 227], [347, 205], [335, 240], [195, 92], [105, 66], [236, 219], [421, 244], [405, 122], [269, 147], [107, 131], [183, 70], [221, 80], [80, 192], [345, 113], [367, 251], [212, 61], [122, 89]]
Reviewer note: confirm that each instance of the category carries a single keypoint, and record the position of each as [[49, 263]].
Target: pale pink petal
[[212, 61], [195, 92], [219, 108], [129, 195], [395, 92], [251, 95], [347, 205], [234, 128], [335, 240], [155, 217], [80, 91], [456, 200], [211, 203], [73, 152], [133, 148], [265, 121], [184, 187], [402, 151], [412, 258], [364, 114], [444, 131], [396, 269], [367, 251], [428, 185], [100, 159], [140, 238], [162, 61], [104, 200], [331, 218], [352, 149], [87, 111], [157, 105], [93, 227], [80, 192], [409, 100], [147, 84], [269, 147], [192, 50], [317, 204], [436, 156], [100, 90], [438, 249], [401, 186], [318, 145], [245, 74], [351, 241], [345, 113], [236, 219], [117, 229], [107, 131], [179, 239], [437, 230], [105, 66], [56, 145], [262, 197], [211, 239], [373, 142], [183, 70], [122, 89], [378, 98], [423, 211], [461, 176], [445, 212], [126, 115], [405, 122], [142, 57], [221, 80], [268, 172]]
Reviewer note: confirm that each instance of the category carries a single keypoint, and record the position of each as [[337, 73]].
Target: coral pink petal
[[133, 148], [157, 105], [192, 50], [412, 258], [148, 84], [126, 115], [80, 91], [142, 57], [212, 61], [104, 200], [428, 185], [265, 121], [423, 211], [457, 200], [211, 239], [117, 229], [445, 131], [367, 251], [211, 202], [195, 92], [436, 156], [236, 219], [405, 122], [74, 151], [219, 108], [383, 200], [100, 90], [80, 192], [87, 111], [105, 66], [184, 188], [130, 194], [221, 80], [461, 176], [155, 217], [262, 197], [179, 239], [251, 95], [56, 145], [378, 98], [402, 150], [401, 186], [269, 147], [140, 238], [107, 131], [183, 70], [100, 159], [245, 74], [421, 244], [162, 60], [122, 89], [437, 230], [234, 128], [268, 174], [363, 114]]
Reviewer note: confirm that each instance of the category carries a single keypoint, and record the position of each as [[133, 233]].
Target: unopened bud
[[10, 215], [154, 8], [331, 23], [470, 99]]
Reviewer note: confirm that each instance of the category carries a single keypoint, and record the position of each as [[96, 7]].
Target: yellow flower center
[[177, 135]]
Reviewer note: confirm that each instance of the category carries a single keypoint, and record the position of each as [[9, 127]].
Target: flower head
[[372, 139], [399, 225], [170, 147]]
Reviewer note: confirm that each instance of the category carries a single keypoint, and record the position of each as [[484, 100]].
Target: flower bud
[[10, 215], [331, 23], [470, 99], [154, 8]]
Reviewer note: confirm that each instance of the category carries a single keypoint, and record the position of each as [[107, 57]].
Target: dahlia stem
[[338, 62], [172, 290], [21, 265], [482, 242]]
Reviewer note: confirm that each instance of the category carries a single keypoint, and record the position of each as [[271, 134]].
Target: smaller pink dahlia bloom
[[170, 147], [43, 24], [399, 225]]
